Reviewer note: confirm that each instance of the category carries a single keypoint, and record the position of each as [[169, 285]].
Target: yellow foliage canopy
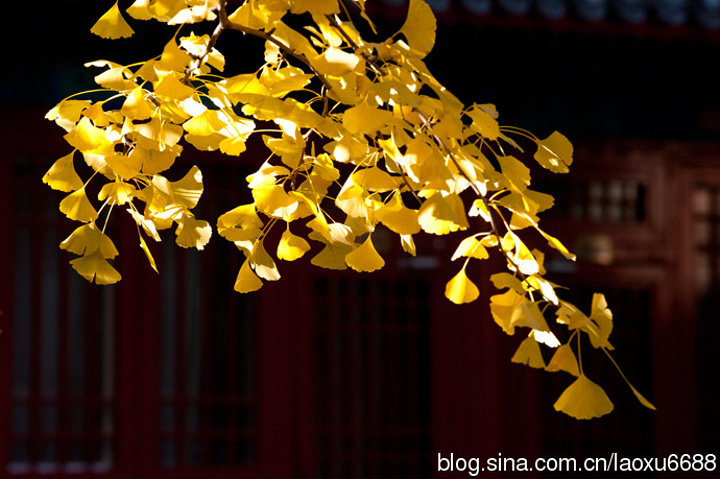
[[359, 135]]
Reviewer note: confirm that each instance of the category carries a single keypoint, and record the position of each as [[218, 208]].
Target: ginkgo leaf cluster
[[358, 135]]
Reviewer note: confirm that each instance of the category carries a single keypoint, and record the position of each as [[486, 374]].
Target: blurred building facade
[[335, 375]]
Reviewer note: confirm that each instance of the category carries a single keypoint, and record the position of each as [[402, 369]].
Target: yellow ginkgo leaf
[[62, 176], [351, 199], [148, 254], [505, 280], [601, 314], [484, 123], [397, 217], [641, 398], [555, 153], [564, 360], [374, 179], [420, 27], [335, 62], [470, 247], [118, 192], [158, 134], [316, 7], [140, 10], [408, 244], [517, 175], [502, 308], [262, 263], [460, 289], [192, 233], [243, 216], [76, 206], [187, 191], [86, 136], [527, 314], [291, 247], [274, 201], [584, 399], [87, 239], [171, 86], [136, 106], [441, 215], [547, 338], [555, 243], [247, 281], [94, 268], [365, 119], [147, 225], [529, 353], [233, 146], [112, 25], [126, 167], [365, 258], [332, 256]]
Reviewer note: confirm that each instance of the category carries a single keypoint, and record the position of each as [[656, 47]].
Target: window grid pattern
[[208, 404], [62, 391], [372, 384], [706, 268], [597, 200]]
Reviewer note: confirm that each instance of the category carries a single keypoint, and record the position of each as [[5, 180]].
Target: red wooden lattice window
[[62, 400], [372, 381], [705, 260]]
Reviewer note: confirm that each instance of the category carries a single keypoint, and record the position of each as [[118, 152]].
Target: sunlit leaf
[[316, 7], [88, 238], [86, 136], [408, 244], [332, 256], [529, 353], [274, 201], [188, 190], [584, 399], [119, 192], [126, 167], [470, 247], [547, 338], [192, 233], [516, 173], [247, 281], [484, 123], [136, 106], [62, 176], [365, 119], [441, 214], [555, 153], [148, 254], [95, 268], [527, 314], [460, 289], [171, 86], [112, 25], [365, 258], [419, 27], [147, 224], [564, 360], [76, 206], [505, 280], [502, 308], [262, 263], [397, 217], [291, 247], [243, 216]]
